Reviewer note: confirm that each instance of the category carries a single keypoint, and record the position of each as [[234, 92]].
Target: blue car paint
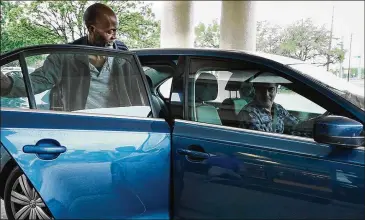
[[254, 175], [247, 175], [330, 126], [110, 166]]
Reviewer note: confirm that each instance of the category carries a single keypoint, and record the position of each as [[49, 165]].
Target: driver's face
[[265, 94], [103, 33]]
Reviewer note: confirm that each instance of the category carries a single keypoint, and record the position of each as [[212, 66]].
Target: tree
[[305, 41], [301, 40], [207, 36], [268, 37], [40, 22], [16, 31]]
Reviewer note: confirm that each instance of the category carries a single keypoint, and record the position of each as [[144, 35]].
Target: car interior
[[217, 95]]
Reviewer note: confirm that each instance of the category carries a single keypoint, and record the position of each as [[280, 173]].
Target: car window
[[165, 88], [85, 82], [10, 69], [160, 78], [250, 97]]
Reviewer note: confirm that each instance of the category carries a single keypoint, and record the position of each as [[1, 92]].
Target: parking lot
[[2, 211]]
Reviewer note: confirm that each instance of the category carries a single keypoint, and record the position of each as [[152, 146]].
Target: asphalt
[[2, 211]]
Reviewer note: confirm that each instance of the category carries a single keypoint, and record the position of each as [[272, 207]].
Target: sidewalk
[[2, 210]]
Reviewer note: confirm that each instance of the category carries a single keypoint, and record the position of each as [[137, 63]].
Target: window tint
[[85, 82], [217, 96], [250, 97], [8, 101]]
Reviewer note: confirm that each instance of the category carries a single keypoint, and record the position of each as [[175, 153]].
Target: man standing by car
[[74, 83]]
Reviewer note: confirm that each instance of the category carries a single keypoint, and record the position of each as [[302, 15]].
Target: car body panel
[[252, 174], [91, 162], [104, 172], [119, 167]]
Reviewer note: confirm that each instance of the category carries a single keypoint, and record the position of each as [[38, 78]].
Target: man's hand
[[5, 82], [97, 61]]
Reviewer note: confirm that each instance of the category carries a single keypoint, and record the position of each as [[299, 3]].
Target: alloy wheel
[[25, 202]]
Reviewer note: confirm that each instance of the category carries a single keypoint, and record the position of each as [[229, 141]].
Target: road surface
[[2, 211]]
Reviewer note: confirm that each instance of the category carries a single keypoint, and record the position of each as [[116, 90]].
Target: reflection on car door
[[88, 165], [231, 173]]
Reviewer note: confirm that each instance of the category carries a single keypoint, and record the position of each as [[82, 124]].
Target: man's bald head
[[97, 13], [102, 24]]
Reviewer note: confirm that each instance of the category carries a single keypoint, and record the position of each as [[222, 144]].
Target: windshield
[[351, 91]]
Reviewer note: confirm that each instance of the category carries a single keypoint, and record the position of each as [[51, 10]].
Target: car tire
[[21, 200]]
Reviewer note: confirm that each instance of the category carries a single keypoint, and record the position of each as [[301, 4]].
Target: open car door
[[77, 163]]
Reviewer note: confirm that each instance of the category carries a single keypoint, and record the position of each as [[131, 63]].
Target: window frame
[[21, 54], [8, 58]]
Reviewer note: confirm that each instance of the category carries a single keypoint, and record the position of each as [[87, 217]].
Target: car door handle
[[46, 149], [195, 154]]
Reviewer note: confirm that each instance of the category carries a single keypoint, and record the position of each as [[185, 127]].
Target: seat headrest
[[206, 87]]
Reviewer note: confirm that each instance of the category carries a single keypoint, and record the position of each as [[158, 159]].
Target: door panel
[[113, 167], [99, 154], [251, 174]]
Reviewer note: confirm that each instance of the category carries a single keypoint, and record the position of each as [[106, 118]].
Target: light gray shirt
[[99, 92]]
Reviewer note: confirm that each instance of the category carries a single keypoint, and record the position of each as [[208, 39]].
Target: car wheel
[[21, 199]]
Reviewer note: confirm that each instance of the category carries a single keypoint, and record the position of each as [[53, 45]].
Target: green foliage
[[52, 22], [207, 36], [301, 40], [268, 37]]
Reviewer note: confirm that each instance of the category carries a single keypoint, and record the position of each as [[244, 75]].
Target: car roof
[[216, 53]]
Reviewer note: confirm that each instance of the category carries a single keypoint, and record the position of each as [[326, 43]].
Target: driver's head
[[101, 23], [265, 94]]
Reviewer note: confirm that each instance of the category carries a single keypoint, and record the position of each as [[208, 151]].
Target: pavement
[[2, 211]]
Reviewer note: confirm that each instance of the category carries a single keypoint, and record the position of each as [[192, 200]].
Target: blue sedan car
[[185, 138]]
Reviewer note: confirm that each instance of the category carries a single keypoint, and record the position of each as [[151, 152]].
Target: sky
[[348, 18]]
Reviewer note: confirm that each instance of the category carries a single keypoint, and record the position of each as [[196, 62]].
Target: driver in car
[[262, 113]]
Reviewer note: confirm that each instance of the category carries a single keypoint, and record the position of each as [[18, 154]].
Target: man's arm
[[42, 79], [6, 84]]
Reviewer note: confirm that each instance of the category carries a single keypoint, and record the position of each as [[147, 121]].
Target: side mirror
[[340, 131]]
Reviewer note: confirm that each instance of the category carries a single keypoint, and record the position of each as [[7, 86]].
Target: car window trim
[[188, 62], [27, 83], [145, 86], [82, 114], [24, 70]]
